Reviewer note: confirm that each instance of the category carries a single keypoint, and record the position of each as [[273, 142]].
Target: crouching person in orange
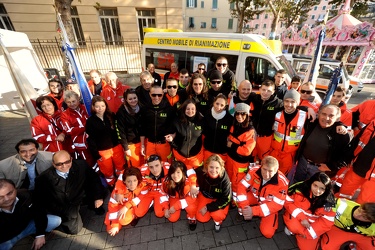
[[262, 192], [154, 173], [123, 200], [354, 223], [215, 192], [309, 210], [241, 143], [178, 196]]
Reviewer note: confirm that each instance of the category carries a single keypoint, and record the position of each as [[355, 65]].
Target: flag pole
[[75, 69]]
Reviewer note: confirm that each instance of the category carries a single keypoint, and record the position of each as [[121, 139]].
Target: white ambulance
[[250, 56]]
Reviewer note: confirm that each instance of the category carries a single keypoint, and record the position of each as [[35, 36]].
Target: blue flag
[[75, 67], [335, 79]]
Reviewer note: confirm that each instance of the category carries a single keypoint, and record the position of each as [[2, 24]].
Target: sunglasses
[[153, 158], [241, 113], [59, 164], [172, 86], [215, 82], [200, 68], [309, 92], [156, 95], [221, 64]]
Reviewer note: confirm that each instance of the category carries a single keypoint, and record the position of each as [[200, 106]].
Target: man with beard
[[23, 167]]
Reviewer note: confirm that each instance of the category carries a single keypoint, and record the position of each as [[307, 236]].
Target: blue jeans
[[53, 222]]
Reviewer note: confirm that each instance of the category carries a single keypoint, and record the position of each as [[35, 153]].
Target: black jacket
[[337, 145], [188, 140], [263, 115], [219, 189], [216, 132], [155, 121], [25, 211], [127, 126]]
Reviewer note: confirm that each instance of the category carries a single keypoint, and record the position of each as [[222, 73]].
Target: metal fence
[[120, 56]]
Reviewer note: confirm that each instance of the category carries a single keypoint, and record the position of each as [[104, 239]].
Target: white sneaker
[[287, 231], [217, 228]]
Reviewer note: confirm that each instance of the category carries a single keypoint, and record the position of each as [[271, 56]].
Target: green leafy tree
[[246, 10], [297, 12], [358, 8]]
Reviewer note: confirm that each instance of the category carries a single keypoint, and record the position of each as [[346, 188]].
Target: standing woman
[[177, 188], [186, 139], [216, 125], [198, 91], [127, 118], [308, 210], [46, 128], [215, 192], [103, 141], [241, 143]]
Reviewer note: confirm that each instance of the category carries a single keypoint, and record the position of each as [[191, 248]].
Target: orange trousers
[[136, 159], [152, 197], [111, 163], [191, 162], [262, 146], [162, 150], [218, 216], [285, 160], [236, 172], [268, 224], [352, 182], [111, 223], [190, 210], [297, 229], [335, 237], [207, 154]]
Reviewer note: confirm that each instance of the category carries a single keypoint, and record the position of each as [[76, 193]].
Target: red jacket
[[130, 200], [74, 124], [91, 85], [243, 143], [310, 104], [59, 102], [271, 196], [297, 206], [287, 138], [366, 112], [184, 201], [346, 116], [114, 97], [45, 129], [150, 181]]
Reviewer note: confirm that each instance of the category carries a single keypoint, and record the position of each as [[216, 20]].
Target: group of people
[[175, 145]]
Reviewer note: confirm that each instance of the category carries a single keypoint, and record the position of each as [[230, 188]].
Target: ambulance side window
[[257, 70]]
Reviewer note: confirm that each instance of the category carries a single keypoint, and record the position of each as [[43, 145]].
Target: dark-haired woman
[[308, 210], [127, 118], [198, 91], [123, 200], [241, 143], [46, 128], [103, 142], [186, 140], [216, 125], [177, 187]]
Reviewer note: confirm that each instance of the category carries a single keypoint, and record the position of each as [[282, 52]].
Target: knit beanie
[[215, 75], [242, 107], [292, 94]]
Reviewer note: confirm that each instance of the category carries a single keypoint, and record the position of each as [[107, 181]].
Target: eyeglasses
[[200, 68], [153, 158], [309, 92], [241, 113], [172, 86], [156, 95], [215, 82], [221, 64], [59, 164]]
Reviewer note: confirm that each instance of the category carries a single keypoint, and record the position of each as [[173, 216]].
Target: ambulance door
[[257, 69]]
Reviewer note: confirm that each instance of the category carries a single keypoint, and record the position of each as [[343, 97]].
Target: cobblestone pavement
[[151, 232]]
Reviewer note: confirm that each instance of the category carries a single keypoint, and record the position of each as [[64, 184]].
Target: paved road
[[151, 232]]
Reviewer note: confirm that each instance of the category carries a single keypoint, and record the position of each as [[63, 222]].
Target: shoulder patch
[[248, 177]]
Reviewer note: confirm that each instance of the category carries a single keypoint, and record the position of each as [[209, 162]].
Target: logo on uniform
[[108, 98], [224, 127], [248, 177], [198, 128], [163, 114]]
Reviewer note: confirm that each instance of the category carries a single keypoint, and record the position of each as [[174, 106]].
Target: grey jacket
[[14, 168]]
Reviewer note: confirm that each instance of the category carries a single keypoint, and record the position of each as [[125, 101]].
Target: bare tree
[[245, 10]]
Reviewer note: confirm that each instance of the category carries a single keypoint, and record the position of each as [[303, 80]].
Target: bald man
[[244, 94], [65, 184]]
